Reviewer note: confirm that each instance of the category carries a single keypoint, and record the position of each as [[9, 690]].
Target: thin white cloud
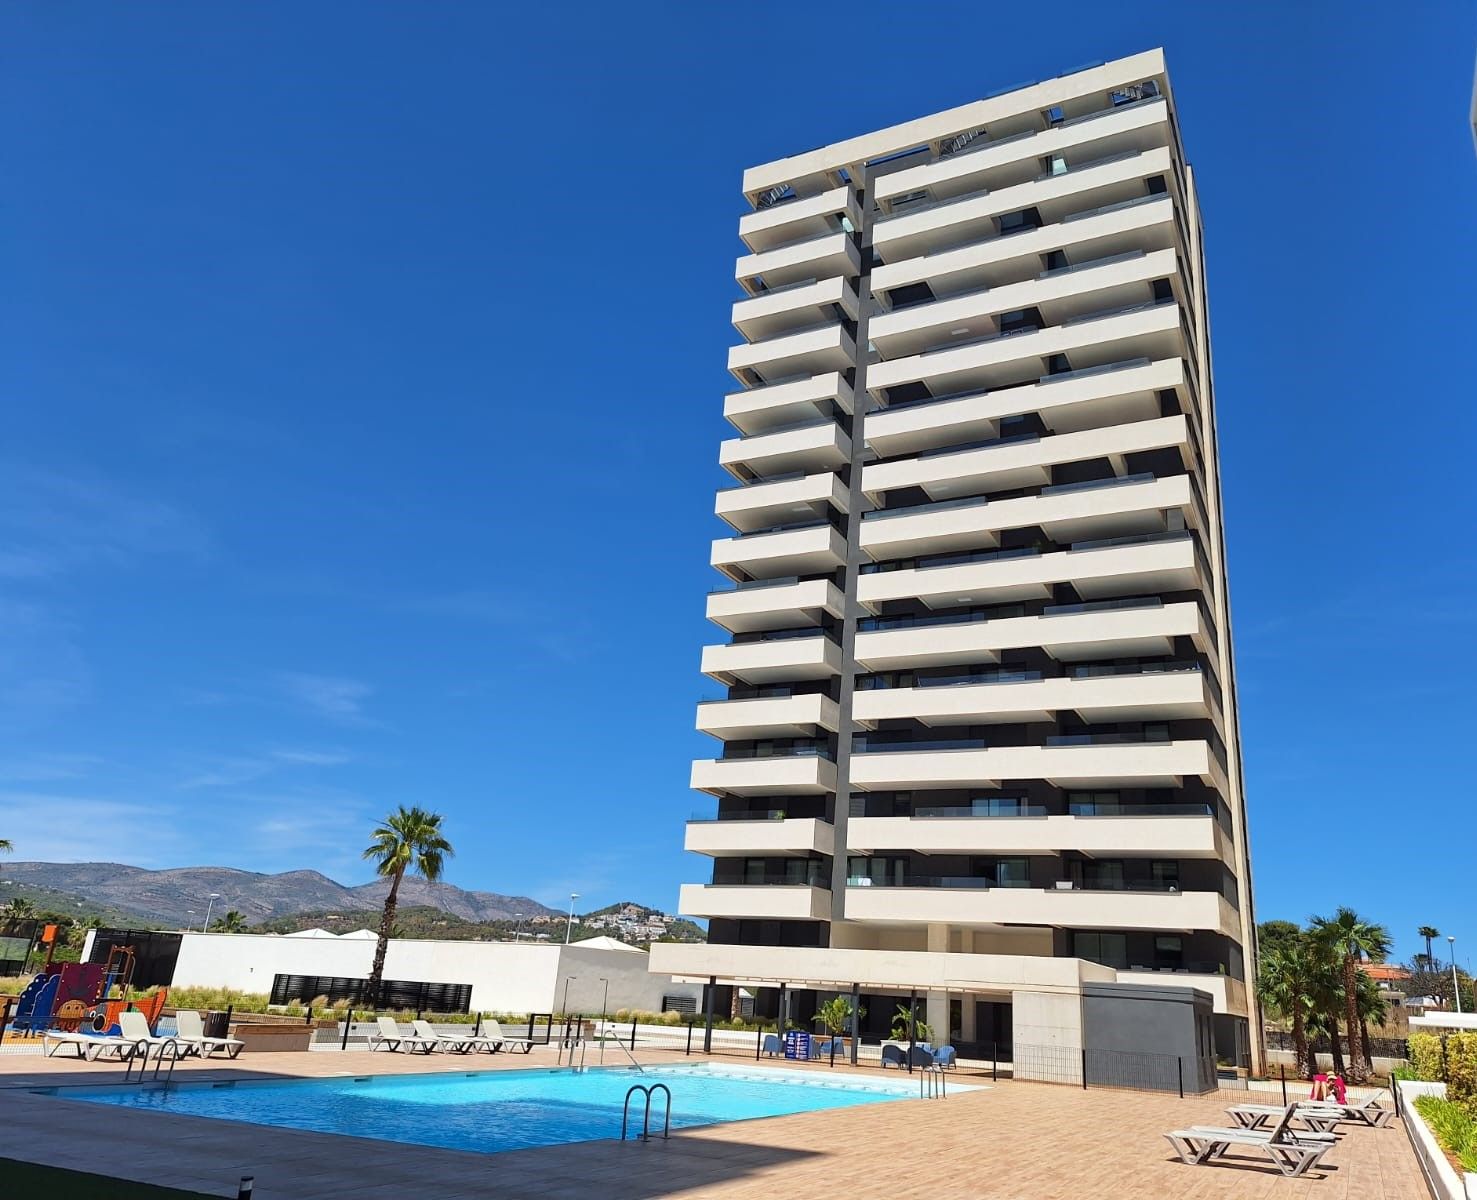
[[50, 827], [332, 697]]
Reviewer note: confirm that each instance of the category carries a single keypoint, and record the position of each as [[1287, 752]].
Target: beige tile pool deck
[[1012, 1140]]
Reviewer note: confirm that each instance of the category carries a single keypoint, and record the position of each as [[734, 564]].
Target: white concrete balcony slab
[[1168, 563], [1145, 630], [1110, 508], [827, 347], [928, 229], [765, 901], [1153, 331], [768, 717], [823, 257], [1142, 223], [1186, 912], [774, 314], [762, 505], [1155, 695], [764, 776], [1227, 995], [779, 604], [1092, 398], [1025, 461], [779, 661], [800, 219], [1171, 836], [813, 550], [1060, 295], [1143, 125], [814, 446], [779, 405], [761, 838], [1121, 764]]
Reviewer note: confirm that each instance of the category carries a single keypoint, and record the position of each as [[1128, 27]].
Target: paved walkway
[[1012, 1141]]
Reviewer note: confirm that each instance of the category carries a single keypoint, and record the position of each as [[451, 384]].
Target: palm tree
[[409, 838], [5, 846], [232, 922], [19, 906], [1372, 1007], [1351, 938], [1288, 986], [1430, 933]]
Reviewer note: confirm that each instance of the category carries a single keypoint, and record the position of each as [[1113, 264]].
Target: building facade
[[979, 734]]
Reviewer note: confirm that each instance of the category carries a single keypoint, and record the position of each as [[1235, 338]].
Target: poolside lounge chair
[[1316, 1114], [492, 1029], [462, 1043], [390, 1038], [894, 1056], [192, 1036], [135, 1027], [1293, 1153], [88, 1045]]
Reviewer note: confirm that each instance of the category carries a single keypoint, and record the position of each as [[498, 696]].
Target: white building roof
[[311, 933], [361, 935], [608, 943], [1445, 1020]]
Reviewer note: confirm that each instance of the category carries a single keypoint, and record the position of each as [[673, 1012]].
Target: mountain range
[[179, 896]]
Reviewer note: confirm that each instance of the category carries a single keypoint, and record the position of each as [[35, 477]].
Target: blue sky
[[362, 369]]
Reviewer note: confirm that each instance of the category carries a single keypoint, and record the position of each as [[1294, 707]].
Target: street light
[[214, 896], [1456, 989], [569, 927], [517, 927]]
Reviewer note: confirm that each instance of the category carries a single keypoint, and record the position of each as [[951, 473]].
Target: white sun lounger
[[136, 1030], [492, 1029], [1293, 1153], [389, 1037], [1314, 1115], [88, 1046], [192, 1036], [461, 1043]]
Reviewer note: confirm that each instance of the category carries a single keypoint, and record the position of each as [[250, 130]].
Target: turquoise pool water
[[504, 1110]]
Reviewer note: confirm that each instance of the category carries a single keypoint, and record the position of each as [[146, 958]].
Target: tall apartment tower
[[977, 726]]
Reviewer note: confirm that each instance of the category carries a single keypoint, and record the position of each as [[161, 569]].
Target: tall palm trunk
[[1359, 1068], [387, 922], [1333, 1043]]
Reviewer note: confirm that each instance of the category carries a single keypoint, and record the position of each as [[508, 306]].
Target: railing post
[[243, 1191], [1084, 1068], [833, 1049], [995, 1062], [308, 1020], [633, 1034], [758, 1041], [477, 1025], [1180, 1070], [348, 1020], [708, 1016], [1282, 1069], [856, 1022], [689, 1037], [912, 1025]]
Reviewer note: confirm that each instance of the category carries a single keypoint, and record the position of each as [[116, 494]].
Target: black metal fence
[[394, 994], [154, 954], [1130, 1069], [17, 936], [1379, 1047]]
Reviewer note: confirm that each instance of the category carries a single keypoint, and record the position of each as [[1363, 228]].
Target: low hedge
[[1456, 1064], [1453, 1126]]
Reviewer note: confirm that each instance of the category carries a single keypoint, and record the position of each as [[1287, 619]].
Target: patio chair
[[89, 1046], [135, 1029], [391, 1038], [1294, 1154], [919, 1057], [945, 1056], [773, 1046], [491, 1029], [893, 1056], [192, 1036], [1316, 1116]]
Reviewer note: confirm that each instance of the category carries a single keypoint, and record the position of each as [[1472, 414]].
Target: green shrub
[[1457, 1065], [1425, 1056], [1453, 1126]]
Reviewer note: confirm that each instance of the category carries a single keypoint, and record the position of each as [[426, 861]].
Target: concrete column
[[938, 1017]]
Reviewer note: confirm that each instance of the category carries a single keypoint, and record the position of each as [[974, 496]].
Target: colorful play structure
[[83, 997]]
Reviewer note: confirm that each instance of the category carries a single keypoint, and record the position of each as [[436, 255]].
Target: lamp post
[[568, 979], [214, 896], [1456, 988], [517, 927], [569, 926]]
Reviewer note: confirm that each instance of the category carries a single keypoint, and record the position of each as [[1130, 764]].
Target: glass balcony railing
[[958, 882], [1091, 606], [918, 621], [964, 558], [1072, 268], [1092, 810], [792, 527], [776, 879], [755, 585], [1132, 539], [748, 754], [769, 814], [985, 444], [992, 810], [1090, 485], [864, 745], [933, 506], [1102, 670]]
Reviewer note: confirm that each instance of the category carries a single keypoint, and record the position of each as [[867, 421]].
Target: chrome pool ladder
[[139, 1053], [933, 1083], [649, 1093]]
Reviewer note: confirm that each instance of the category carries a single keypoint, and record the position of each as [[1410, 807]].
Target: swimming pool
[[489, 1111]]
